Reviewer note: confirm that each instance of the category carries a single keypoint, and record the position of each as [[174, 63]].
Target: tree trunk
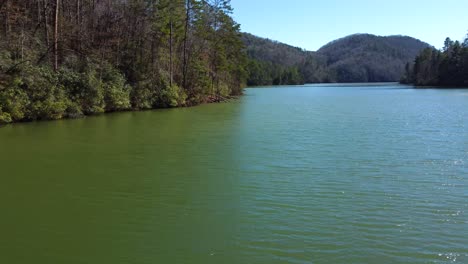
[[46, 24], [22, 42], [7, 17], [56, 36], [170, 52], [187, 21], [153, 57], [78, 24], [39, 15], [78, 12], [215, 55]]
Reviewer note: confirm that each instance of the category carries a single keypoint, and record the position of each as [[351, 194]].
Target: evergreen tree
[[448, 68]]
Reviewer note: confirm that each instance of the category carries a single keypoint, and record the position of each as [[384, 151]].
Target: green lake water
[[306, 174]]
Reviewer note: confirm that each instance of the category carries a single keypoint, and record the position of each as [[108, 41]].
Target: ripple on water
[[314, 174]]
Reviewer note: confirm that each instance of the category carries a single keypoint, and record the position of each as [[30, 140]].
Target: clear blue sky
[[310, 24]]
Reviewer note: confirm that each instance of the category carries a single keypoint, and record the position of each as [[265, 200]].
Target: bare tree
[[56, 35], [187, 22]]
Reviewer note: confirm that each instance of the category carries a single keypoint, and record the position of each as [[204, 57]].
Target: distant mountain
[[356, 58], [369, 58]]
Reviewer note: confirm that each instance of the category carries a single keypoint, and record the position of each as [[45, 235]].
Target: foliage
[[173, 96], [272, 63], [85, 88], [5, 118], [116, 91], [14, 101], [267, 73], [144, 95], [446, 67], [115, 56]]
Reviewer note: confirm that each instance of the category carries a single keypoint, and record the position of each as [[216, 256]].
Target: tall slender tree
[[56, 35]]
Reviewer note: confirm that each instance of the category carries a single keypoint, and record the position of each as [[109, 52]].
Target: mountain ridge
[[358, 57]]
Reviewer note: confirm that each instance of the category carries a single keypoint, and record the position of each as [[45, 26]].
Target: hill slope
[[272, 62], [356, 58], [273, 51], [369, 58]]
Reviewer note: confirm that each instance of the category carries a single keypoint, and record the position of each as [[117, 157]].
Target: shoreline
[[209, 100]]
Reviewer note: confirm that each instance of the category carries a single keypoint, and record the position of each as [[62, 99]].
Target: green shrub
[[143, 95], [73, 110], [224, 90], [5, 118], [48, 98], [53, 109], [85, 89], [116, 91], [14, 101], [173, 96], [96, 90]]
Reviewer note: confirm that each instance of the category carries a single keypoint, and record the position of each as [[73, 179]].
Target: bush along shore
[[68, 58]]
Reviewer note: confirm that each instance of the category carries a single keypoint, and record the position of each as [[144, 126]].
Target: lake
[[362, 173]]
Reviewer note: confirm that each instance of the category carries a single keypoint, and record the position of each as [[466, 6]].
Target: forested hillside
[[356, 58], [369, 58], [67, 58], [447, 67], [271, 62]]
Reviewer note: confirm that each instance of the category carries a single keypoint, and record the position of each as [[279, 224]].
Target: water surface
[[307, 174]]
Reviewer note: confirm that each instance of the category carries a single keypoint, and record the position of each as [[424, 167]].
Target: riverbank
[[5, 118], [66, 62]]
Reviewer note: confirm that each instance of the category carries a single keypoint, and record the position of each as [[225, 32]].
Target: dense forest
[[271, 62], [356, 58], [447, 67], [68, 58], [369, 58]]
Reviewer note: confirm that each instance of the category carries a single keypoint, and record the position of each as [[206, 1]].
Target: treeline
[[447, 67], [267, 73], [272, 63], [68, 58], [356, 58]]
